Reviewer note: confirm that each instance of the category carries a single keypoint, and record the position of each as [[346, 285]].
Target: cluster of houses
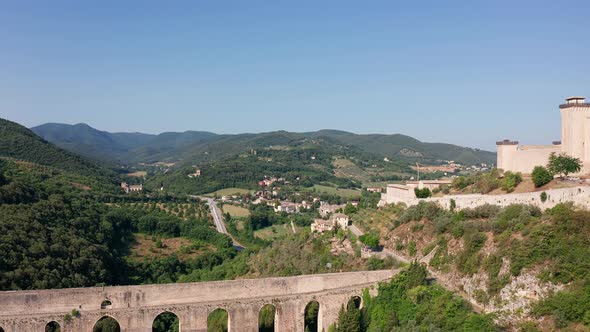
[[479, 168], [332, 217], [450, 167], [269, 181], [290, 207], [337, 220], [327, 209]]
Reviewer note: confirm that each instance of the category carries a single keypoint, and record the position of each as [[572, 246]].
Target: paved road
[[217, 216], [218, 220]]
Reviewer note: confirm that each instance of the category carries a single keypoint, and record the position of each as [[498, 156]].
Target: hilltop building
[[575, 133], [131, 188]]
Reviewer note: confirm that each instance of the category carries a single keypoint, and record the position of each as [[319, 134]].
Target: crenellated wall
[[136, 307], [524, 158]]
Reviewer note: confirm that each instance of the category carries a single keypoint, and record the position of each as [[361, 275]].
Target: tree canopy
[[563, 164]]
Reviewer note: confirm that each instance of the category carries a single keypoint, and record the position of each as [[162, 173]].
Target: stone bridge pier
[[136, 307]]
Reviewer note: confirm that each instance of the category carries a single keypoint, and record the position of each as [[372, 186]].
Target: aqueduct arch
[[136, 307]]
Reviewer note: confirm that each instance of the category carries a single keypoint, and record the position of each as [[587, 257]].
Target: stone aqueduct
[[136, 307]]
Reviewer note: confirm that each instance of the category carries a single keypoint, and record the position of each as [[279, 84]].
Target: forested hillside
[[195, 146], [21, 143], [529, 267], [295, 166]]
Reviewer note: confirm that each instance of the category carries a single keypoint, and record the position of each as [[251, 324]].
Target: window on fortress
[[166, 322], [266, 318], [52, 327], [106, 304]]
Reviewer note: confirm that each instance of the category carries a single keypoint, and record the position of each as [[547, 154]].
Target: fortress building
[[575, 141]]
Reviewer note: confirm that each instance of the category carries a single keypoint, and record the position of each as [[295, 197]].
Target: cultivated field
[[147, 246], [228, 192], [275, 231], [138, 174], [235, 211]]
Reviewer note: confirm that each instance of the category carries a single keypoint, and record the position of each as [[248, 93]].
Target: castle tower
[[506, 151], [575, 128]]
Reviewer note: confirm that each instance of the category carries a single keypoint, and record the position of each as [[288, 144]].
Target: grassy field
[[229, 191], [138, 174], [347, 193], [275, 231], [347, 169], [145, 246], [235, 211]]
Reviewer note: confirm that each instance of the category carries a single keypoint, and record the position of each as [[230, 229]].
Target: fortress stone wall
[[136, 307], [580, 196], [575, 141]]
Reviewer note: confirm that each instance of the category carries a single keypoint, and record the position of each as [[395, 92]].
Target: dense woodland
[[246, 171]]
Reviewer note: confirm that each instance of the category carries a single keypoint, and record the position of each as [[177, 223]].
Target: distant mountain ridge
[[200, 145]]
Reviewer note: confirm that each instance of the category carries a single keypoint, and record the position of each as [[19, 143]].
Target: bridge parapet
[[136, 307]]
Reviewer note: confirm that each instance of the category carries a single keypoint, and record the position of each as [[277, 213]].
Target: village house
[[267, 182], [337, 220], [197, 173], [288, 207], [375, 189], [327, 209], [321, 225], [306, 205], [341, 220], [131, 188]]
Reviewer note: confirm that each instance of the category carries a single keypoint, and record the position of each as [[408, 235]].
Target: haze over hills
[[197, 146]]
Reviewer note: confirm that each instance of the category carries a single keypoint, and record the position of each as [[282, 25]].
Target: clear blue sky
[[468, 72]]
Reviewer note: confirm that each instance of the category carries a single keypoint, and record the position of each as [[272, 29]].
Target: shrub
[[482, 211], [370, 240], [486, 182], [461, 182], [510, 181], [543, 197], [422, 193], [563, 164], [541, 176], [412, 249]]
